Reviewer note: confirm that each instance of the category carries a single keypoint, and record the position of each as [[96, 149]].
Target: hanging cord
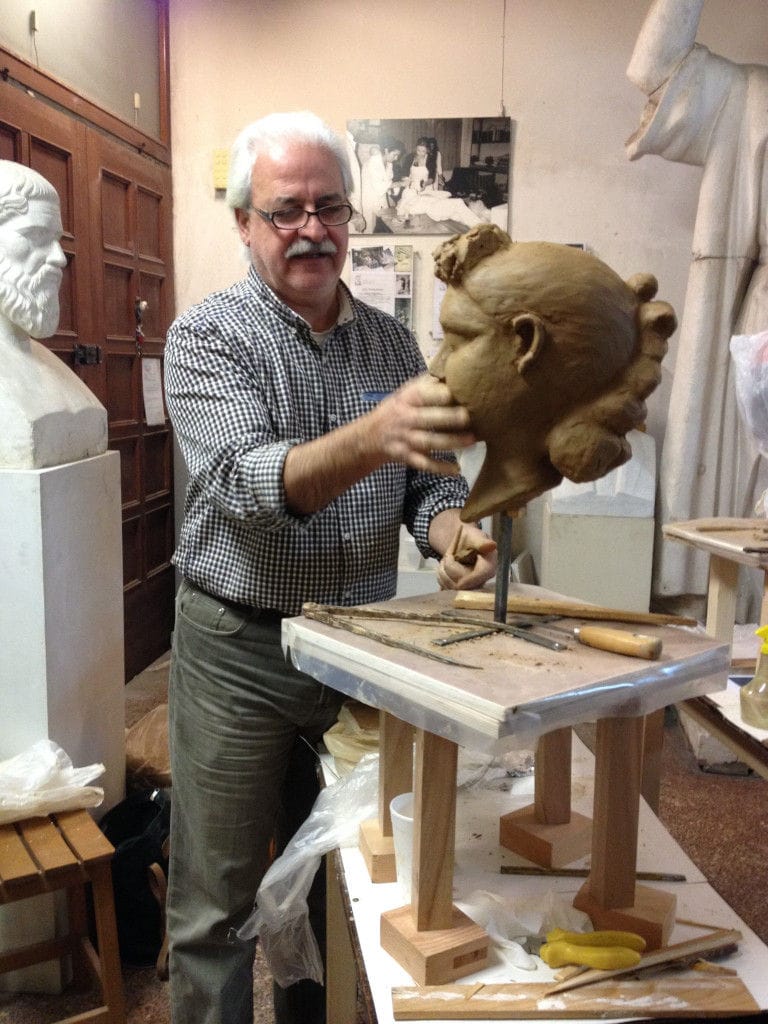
[[503, 53]]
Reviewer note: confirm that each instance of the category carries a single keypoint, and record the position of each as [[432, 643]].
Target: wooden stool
[[66, 851]]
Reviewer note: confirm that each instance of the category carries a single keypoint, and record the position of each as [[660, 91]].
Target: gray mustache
[[304, 247]]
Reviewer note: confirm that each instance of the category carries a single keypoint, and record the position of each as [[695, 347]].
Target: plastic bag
[[510, 922], [281, 916], [147, 758], [354, 734], [41, 780], [750, 359]]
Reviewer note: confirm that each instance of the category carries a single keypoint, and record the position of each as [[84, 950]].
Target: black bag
[[138, 828]]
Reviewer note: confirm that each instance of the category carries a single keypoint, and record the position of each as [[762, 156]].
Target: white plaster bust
[[47, 415]]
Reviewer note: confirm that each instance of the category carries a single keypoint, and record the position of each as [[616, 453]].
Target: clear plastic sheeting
[[749, 353], [42, 780], [280, 916]]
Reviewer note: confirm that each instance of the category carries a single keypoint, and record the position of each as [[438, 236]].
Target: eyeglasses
[[294, 217]]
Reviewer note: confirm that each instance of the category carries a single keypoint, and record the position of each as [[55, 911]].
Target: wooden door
[[130, 217], [116, 213]]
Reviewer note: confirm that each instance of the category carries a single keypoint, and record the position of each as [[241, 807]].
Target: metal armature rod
[[504, 547]]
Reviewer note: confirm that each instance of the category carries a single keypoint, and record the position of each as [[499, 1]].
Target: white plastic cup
[[401, 812]]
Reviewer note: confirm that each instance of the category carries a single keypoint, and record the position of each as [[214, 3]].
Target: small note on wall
[[220, 168], [152, 389]]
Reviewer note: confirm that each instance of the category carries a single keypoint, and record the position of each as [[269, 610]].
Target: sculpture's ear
[[530, 338]]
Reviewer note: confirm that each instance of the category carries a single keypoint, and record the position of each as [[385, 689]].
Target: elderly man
[[47, 415], [298, 485]]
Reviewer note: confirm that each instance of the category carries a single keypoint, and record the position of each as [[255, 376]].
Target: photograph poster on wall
[[429, 176], [382, 276]]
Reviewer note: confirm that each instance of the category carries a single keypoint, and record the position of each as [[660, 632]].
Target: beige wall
[[564, 86], [104, 49]]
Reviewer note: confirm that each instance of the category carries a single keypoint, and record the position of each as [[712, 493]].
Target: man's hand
[[470, 558], [408, 426], [418, 419]]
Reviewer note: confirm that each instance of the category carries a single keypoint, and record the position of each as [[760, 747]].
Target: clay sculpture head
[[552, 353]]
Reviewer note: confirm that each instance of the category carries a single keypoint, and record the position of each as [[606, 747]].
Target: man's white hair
[[278, 129], [19, 184]]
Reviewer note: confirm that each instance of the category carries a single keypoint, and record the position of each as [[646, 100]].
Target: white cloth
[[375, 177], [712, 113], [437, 205]]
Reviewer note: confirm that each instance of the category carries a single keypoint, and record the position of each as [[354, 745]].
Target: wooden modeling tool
[[483, 600], [604, 638]]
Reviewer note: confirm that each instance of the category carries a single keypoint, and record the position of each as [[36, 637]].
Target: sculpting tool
[[620, 641], [643, 876], [617, 641]]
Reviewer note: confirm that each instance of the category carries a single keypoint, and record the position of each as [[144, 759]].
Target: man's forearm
[[318, 471]]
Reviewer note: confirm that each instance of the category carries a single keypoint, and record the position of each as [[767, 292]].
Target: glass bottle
[[754, 695]]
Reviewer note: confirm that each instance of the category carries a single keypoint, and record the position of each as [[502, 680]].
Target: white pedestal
[[603, 559], [597, 538], [61, 627]]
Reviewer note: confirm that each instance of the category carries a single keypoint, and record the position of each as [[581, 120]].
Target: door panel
[[131, 241]]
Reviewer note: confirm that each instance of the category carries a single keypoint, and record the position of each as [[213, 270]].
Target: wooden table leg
[[721, 598], [395, 777], [653, 744], [611, 896], [431, 938], [548, 832]]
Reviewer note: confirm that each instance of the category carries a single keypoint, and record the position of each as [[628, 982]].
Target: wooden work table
[[477, 868], [506, 693], [729, 542]]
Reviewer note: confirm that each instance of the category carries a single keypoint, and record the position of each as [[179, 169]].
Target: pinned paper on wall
[[220, 168], [152, 389], [382, 276]]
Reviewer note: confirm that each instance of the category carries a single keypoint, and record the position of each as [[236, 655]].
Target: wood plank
[[688, 995], [618, 761], [15, 862], [552, 779], [84, 836], [481, 600], [395, 765], [721, 597], [46, 845], [434, 823]]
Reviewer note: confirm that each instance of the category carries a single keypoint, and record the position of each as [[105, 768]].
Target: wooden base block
[[437, 956], [551, 846], [378, 852], [652, 915]]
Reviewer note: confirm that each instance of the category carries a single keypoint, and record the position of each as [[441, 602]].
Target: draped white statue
[[47, 415], [708, 111]]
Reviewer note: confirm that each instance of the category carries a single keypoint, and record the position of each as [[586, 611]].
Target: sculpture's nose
[[56, 256]]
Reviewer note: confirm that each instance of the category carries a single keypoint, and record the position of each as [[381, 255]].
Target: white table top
[[514, 691], [478, 859]]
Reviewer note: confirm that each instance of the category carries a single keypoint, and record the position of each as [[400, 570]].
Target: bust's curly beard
[[32, 303]]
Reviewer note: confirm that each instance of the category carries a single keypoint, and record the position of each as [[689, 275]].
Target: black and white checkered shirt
[[244, 383]]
